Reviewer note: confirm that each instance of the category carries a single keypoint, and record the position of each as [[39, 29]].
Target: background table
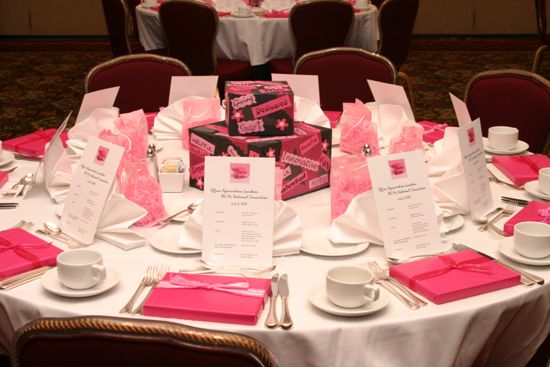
[[501, 328], [257, 39]]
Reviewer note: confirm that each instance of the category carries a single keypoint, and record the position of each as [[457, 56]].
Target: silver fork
[[145, 281], [506, 211], [384, 275], [379, 279], [159, 274], [231, 270]]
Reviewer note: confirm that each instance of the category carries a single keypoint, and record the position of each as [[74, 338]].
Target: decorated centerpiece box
[[259, 108], [304, 156]]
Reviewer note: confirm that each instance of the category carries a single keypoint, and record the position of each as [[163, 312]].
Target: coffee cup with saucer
[[532, 239], [243, 11], [533, 188], [506, 247]]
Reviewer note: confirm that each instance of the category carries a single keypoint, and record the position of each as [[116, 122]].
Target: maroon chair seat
[[190, 28], [542, 30], [93, 341], [513, 98], [144, 80], [343, 74], [316, 25]]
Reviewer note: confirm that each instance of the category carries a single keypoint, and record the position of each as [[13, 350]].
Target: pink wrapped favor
[[3, 178], [348, 178], [214, 298], [456, 276], [357, 129], [21, 251], [521, 168], [34, 144], [535, 211], [433, 131]]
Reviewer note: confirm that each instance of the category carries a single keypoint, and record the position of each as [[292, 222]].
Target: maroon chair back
[[190, 29], [144, 80], [320, 24], [116, 18], [343, 74], [396, 21], [512, 98], [540, 8], [116, 342]]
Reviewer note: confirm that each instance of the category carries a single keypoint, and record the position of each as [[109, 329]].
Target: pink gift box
[[21, 251], [33, 144], [222, 302], [521, 168], [3, 178], [535, 211], [456, 276], [433, 131]]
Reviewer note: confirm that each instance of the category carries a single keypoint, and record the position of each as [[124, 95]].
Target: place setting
[[528, 244]]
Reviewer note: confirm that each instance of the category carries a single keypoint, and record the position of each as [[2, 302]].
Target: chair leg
[[538, 58], [408, 81]]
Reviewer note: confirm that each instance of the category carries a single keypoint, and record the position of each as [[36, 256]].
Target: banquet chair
[[514, 98], [116, 18], [91, 341], [343, 74], [396, 20], [542, 30], [144, 80], [190, 28], [316, 25]]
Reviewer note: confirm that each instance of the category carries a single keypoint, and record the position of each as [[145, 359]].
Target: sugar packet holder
[[172, 174]]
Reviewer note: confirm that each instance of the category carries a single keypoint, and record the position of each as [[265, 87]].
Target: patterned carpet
[[40, 82]]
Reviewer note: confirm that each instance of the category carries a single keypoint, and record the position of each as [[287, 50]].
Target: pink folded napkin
[[456, 276], [333, 117], [276, 14], [535, 211], [3, 178], [521, 168]]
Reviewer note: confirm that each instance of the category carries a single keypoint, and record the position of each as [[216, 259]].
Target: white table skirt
[[501, 328], [256, 39]]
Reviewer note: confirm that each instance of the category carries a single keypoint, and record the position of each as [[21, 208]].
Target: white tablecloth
[[256, 39], [501, 328]]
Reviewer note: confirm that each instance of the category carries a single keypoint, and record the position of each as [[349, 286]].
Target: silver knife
[[524, 274], [286, 320], [271, 320]]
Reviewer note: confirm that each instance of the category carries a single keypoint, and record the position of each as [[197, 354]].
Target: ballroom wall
[[438, 17]]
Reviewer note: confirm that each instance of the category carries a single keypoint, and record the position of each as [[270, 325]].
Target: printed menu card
[[238, 211], [92, 183], [404, 204], [470, 140]]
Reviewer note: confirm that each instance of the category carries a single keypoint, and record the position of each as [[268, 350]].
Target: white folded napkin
[[101, 119], [449, 191], [287, 230], [446, 153], [309, 112], [391, 119], [60, 179]]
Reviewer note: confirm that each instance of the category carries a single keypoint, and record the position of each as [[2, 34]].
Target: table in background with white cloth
[[257, 39], [501, 328]]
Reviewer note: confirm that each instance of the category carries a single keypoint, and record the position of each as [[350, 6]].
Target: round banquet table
[[502, 328], [257, 39]]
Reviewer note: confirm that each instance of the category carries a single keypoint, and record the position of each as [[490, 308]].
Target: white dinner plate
[[453, 223], [521, 147], [51, 283], [318, 298], [532, 187], [506, 247], [166, 240], [316, 242], [240, 15], [6, 158]]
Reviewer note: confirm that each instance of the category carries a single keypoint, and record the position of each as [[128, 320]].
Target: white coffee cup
[[532, 239], [351, 286], [244, 10], [80, 269], [503, 137], [544, 180]]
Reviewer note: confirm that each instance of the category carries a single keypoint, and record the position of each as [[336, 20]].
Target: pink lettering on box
[[197, 170], [243, 101], [318, 181], [250, 126], [289, 185], [287, 171], [200, 143], [303, 162], [309, 144], [272, 106], [324, 161]]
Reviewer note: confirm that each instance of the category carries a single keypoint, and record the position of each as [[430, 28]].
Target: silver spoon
[[53, 230], [486, 217], [190, 209]]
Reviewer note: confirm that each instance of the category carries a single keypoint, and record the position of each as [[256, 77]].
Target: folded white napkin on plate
[[101, 119], [391, 119], [446, 153], [449, 191], [309, 112], [287, 230]]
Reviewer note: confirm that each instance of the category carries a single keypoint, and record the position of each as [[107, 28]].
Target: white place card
[[404, 204], [461, 111], [470, 140], [189, 86], [385, 93], [92, 183], [238, 211], [54, 152], [104, 98], [305, 86]]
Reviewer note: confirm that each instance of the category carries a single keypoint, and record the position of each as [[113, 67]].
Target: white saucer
[[532, 187], [6, 158], [453, 223], [240, 15], [316, 242], [166, 240], [521, 147], [319, 299], [506, 247], [51, 283]]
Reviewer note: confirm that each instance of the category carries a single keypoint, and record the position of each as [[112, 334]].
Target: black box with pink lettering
[[259, 108], [304, 156]]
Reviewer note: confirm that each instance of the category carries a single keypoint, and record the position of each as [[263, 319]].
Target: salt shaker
[[152, 164]]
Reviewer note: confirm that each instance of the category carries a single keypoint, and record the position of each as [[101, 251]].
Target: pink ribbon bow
[[524, 159], [21, 250], [241, 288], [434, 128]]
